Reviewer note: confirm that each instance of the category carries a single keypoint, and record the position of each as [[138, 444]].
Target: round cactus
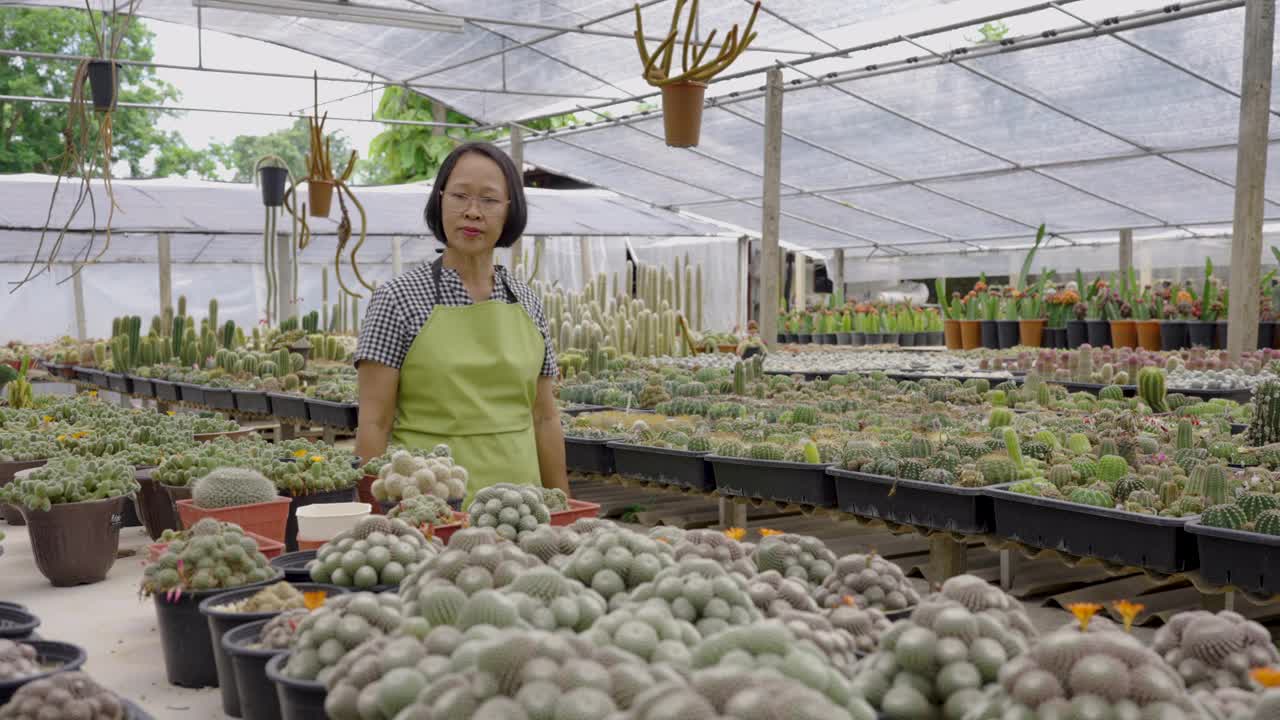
[[774, 594], [700, 592], [1224, 516], [377, 551], [17, 660], [208, 556], [476, 560], [550, 543], [648, 630], [1091, 496], [798, 556], [1254, 504], [229, 487], [423, 510], [63, 695], [389, 671], [865, 625], [1214, 650], [343, 622], [719, 693], [1268, 523], [510, 510], [708, 544], [617, 561], [547, 600], [408, 475], [870, 581], [979, 596], [772, 644]]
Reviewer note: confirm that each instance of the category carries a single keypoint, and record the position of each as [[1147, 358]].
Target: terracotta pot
[[951, 331], [320, 197], [267, 519], [1148, 334], [1030, 332], [971, 334], [1124, 334], [76, 543], [682, 112]]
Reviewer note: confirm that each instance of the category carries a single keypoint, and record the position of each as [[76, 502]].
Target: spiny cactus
[[700, 592], [1223, 516], [1264, 427], [1000, 417], [1214, 650], [229, 487], [1091, 496], [63, 695], [377, 551], [980, 596], [209, 555], [338, 626], [869, 581], [509, 509], [800, 556], [997, 469], [1185, 438], [1208, 481]]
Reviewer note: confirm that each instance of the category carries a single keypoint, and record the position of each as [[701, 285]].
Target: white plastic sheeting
[[719, 260]]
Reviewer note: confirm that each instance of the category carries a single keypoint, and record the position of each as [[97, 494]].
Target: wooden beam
[[769, 256], [163, 255], [517, 156], [1126, 252], [1251, 175]]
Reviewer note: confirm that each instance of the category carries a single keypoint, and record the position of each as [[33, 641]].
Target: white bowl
[[322, 521]]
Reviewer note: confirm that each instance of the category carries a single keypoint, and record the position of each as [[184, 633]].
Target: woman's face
[[474, 205]]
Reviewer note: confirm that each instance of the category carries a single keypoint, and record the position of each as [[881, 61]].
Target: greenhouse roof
[[904, 133], [223, 222]]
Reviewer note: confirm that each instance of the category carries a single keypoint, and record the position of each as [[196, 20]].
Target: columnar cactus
[[1264, 427]]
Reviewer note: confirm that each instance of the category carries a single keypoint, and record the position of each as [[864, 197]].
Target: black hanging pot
[[1200, 334], [1007, 333], [1173, 335], [1077, 333], [104, 79], [1099, 332], [273, 181]]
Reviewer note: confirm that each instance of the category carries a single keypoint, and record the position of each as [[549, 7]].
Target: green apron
[[469, 381]]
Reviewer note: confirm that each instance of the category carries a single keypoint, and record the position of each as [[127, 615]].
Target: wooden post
[[947, 558], [1251, 175], [799, 273], [837, 282], [397, 264], [439, 114], [517, 156], [732, 514], [163, 255], [742, 312], [1126, 253], [77, 286], [772, 208]]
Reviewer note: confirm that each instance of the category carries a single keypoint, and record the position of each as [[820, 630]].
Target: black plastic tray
[[289, 407], [589, 455], [294, 565], [99, 378], [911, 502], [1246, 560], [119, 383], [190, 393], [252, 401], [1238, 428], [142, 387], [580, 409], [83, 374], [1093, 388], [1147, 541], [662, 465], [333, 414], [219, 398], [165, 390], [1240, 395], [779, 480]]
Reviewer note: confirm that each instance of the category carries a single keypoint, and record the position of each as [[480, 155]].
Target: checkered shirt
[[399, 309]]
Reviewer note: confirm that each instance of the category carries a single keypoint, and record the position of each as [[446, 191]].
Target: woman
[[457, 351]]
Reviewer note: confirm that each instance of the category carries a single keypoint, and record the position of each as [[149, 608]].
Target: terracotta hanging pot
[[1124, 334], [682, 112], [320, 195]]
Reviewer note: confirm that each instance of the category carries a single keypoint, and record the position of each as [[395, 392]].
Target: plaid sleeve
[[384, 334], [550, 368]]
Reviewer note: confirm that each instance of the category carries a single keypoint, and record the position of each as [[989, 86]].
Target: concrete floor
[[115, 626]]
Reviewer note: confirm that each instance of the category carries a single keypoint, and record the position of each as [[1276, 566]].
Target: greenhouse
[[697, 359]]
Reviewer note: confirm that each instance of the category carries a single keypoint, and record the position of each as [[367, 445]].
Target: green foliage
[[291, 144]]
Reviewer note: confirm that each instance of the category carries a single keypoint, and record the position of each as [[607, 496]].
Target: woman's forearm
[[371, 439], [551, 465]]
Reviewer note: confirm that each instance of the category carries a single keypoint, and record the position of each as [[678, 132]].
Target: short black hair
[[517, 210]]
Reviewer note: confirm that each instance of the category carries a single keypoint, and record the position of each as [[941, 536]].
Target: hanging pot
[[1077, 333], [1099, 332], [1173, 334], [1124, 333], [320, 196], [1200, 334], [682, 112], [970, 334], [1006, 334], [104, 78], [1147, 332], [273, 179], [1030, 332], [951, 332], [990, 334]]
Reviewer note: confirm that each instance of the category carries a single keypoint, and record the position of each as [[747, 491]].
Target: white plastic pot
[[322, 521]]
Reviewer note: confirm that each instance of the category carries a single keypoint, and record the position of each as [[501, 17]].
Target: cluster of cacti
[[278, 597], [648, 630], [408, 475], [617, 561], [278, 632], [979, 596], [229, 487], [377, 551], [421, 511], [510, 510], [549, 542], [70, 479], [772, 644], [774, 594], [17, 660], [731, 692], [802, 557], [379, 677], [547, 600], [864, 625], [937, 663], [326, 347], [555, 499], [1214, 650], [871, 582], [700, 592], [207, 556], [710, 544], [333, 629], [477, 559], [64, 695]]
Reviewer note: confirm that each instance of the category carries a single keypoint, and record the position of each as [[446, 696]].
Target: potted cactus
[[952, 308], [1200, 333], [1007, 324], [241, 496], [73, 508]]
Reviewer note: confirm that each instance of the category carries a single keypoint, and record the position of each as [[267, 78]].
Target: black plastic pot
[[142, 387], [255, 693], [1238, 558], [1200, 334], [221, 621], [804, 338], [791, 338], [59, 657], [1077, 333], [252, 401], [683, 468], [272, 181], [937, 338], [831, 338], [333, 414], [191, 393], [782, 338], [100, 379], [118, 382], [104, 78], [299, 501], [1173, 335], [17, 623], [184, 637], [299, 699], [1266, 334], [219, 398], [990, 334], [1057, 336], [779, 480], [588, 455], [844, 338], [1099, 332], [911, 502], [907, 339], [294, 565], [289, 407], [858, 339], [165, 390], [1220, 335], [1124, 538], [1007, 331], [889, 338]]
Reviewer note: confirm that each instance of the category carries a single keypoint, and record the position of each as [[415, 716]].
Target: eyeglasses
[[457, 202]]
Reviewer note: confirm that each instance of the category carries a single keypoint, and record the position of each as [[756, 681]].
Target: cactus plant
[[1264, 427], [1214, 650], [209, 555], [1224, 516], [338, 626], [869, 581], [377, 551], [509, 509], [228, 487], [1151, 388], [63, 695]]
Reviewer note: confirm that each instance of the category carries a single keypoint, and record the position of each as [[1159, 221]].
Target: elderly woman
[[457, 351]]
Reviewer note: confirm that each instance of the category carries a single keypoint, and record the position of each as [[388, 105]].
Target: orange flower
[[1084, 612], [736, 533], [1184, 297], [1267, 677], [48, 418], [979, 286], [314, 598], [849, 600], [1129, 611], [766, 532]]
